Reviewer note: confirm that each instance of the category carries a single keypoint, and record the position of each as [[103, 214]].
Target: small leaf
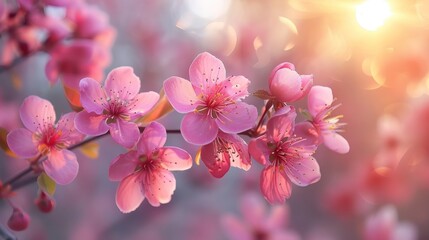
[[3, 143], [162, 108], [90, 150], [46, 184], [198, 157], [73, 97], [262, 94]]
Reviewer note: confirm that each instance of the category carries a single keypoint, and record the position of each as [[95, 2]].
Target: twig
[[6, 234]]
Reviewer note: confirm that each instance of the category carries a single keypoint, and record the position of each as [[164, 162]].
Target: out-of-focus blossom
[[114, 106], [287, 85], [320, 101], [145, 172], [9, 118], [43, 137], [285, 155], [32, 4], [20, 42], [210, 100], [384, 225], [19, 220], [257, 222], [44, 202], [225, 151]]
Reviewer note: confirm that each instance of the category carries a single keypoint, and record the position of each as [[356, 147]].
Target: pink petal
[[123, 165], [278, 217], [122, 83], [236, 87], [284, 235], [159, 186], [235, 229], [153, 137], [180, 94], [198, 129], [307, 131], [258, 149], [90, 123], [274, 185], [175, 159], [37, 113], [125, 133], [335, 142], [142, 103], [281, 125], [92, 95], [306, 84], [216, 158], [237, 117], [51, 71], [130, 193], [237, 150], [319, 98], [286, 85], [21, 142], [281, 66], [253, 209], [205, 71], [61, 166], [303, 172], [68, 131]]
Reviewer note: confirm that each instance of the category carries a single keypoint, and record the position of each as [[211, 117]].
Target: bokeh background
[[374, 57]]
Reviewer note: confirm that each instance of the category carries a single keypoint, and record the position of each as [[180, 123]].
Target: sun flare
[[372, 14]]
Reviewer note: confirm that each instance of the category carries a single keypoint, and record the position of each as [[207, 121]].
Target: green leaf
[[262, 94], [46, 184]]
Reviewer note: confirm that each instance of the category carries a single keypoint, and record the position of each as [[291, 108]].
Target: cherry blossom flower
[[225, 151], [257, 223], [320, 101], [43, 137], [384, 226], [285, 155], [210, 100], [145, 171], [114, 106], [287, 85]]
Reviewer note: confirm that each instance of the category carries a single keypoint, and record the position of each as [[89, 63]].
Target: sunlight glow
[[209, 9], [371, 14]]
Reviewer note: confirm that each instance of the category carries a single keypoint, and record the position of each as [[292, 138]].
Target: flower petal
[[237, 117], [175, 159], [237, 150], [274, 185], [142, 103], [180, 94], [335, 142], [258, 149], [235, 229], [21, 142], [37, 113], [130, 193], [253, 209], [306, 84], [92, 95], [90, 123], [122, 83], [159, 186], [281, 125], [123, 165], [303, 172], [152, 137], [125, 133], [198, 129], [236, 87], [205, 71], [67, 128], [307, 131], [61, 166], [216, 158], [286, 85], [319, 98]]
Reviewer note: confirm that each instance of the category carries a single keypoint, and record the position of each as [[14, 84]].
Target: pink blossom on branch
[[43, 137], [114, 106], [145, 171], [286, 156], [210, 100]]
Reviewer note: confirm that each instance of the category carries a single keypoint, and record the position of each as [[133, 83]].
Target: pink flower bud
[[45, 203], [19, 220], [286, 85]]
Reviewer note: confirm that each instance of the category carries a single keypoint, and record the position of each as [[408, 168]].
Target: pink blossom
[[257, 223], [384, 226], [225, 151], [286, 156], [114, 106], [210, 100], [287, 85], [43, 137], [320, 101], [33, 4], [145, 171]]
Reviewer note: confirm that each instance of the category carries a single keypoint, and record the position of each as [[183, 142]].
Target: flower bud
[[45, 203], [19, 220]]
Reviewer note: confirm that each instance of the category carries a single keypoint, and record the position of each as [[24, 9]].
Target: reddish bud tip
[[19, 220], [44, 203]]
